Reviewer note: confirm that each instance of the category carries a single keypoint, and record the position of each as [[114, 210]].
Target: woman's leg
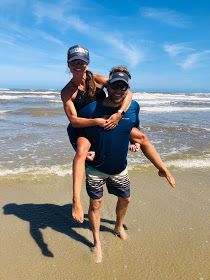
[[151, 153], [83, 146]]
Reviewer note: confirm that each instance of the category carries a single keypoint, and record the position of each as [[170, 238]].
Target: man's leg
[[119, 185], [94, 219], [121, 209]]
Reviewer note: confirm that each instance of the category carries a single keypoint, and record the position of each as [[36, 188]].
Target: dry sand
[[169, 231]]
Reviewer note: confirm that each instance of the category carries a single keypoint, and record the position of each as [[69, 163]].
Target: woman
[[84, 87]]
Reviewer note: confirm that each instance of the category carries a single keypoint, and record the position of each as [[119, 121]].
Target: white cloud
[[42, 10], [130, 53], [170, 17], [7, 40], [49, 37], [190, 58], [195, 60], [176, 49]]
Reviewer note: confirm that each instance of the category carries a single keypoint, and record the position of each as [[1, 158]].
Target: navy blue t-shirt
[[110, 146]]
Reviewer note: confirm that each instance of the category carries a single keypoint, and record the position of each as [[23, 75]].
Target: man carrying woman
[[86, 88]]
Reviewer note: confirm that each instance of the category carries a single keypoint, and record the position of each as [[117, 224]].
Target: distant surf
[[34, 141]]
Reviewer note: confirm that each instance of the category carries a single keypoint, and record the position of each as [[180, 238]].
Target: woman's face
[[78, 67]]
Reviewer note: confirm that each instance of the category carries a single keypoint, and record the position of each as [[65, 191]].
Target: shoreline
[[168, 230]]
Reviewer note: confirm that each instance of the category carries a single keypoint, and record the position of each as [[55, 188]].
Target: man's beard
[[116, 101]]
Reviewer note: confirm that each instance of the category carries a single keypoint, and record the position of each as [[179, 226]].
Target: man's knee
[[125, 201], [95, 205], [128, 200]]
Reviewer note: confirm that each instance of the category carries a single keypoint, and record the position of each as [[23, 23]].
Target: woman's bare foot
[[120, 232], [97, 252], [77, 212]]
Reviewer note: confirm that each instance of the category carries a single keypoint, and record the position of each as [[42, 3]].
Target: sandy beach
[[169, 230]]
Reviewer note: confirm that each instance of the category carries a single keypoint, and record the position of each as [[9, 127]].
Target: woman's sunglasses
[[115, 86], [77, 62]]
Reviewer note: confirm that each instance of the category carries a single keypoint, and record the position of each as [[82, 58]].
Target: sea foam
[[34, 171]]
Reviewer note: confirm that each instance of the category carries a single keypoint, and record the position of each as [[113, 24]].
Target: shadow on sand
[[41, 216]]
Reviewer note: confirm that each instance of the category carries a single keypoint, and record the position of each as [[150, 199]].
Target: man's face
[[117, 91]]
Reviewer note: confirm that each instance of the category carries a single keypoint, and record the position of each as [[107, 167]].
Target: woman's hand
[[100, 122], [112, 121]]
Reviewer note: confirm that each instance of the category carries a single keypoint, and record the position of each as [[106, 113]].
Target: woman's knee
[[82, 147], [81, 152]]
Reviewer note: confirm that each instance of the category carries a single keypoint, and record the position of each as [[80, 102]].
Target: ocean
[[34, 142]]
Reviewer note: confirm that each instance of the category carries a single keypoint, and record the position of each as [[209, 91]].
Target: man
[[111, 147]]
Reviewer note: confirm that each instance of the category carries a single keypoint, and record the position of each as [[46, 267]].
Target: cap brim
[[118, 79], [80, 58]]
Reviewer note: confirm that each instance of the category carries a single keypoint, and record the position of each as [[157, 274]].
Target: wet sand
[[169, 230]]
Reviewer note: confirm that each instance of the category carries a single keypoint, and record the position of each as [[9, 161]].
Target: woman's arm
[[71, 114], [113, 120]]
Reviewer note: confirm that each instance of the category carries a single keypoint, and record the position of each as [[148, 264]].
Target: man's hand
[[112, 121], [134, 147], [77, 212], [90, 155], [165, 173]]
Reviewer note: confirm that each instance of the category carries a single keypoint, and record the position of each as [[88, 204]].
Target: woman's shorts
[[73, 134]]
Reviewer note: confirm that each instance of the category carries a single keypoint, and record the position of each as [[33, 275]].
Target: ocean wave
[[34, 171], [134, 164], [179, 128], [30, 91], [173, 102], [4, 111], [10, 97], [168, 109], [189, 163], [153, 102], [172, 160], [45, 92], [39, 111], [180, 97], [55, 101]]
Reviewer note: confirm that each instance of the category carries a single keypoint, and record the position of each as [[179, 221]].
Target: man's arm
[[150, 152]]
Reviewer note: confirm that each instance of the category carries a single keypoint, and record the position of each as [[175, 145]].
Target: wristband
[[121, 112]]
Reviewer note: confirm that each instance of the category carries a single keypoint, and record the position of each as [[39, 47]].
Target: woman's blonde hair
[[90, 84]]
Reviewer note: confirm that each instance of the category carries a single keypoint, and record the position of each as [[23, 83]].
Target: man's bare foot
[[97, 252], [90, 156], [165, 173], [120, 232], [77, 212]]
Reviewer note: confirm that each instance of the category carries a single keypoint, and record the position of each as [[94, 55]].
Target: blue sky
[[164, 44]]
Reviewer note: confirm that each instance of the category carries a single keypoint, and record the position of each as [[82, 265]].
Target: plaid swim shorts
[[118, 184]]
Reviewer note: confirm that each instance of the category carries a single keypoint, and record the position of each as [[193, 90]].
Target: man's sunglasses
[[122, 87]]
